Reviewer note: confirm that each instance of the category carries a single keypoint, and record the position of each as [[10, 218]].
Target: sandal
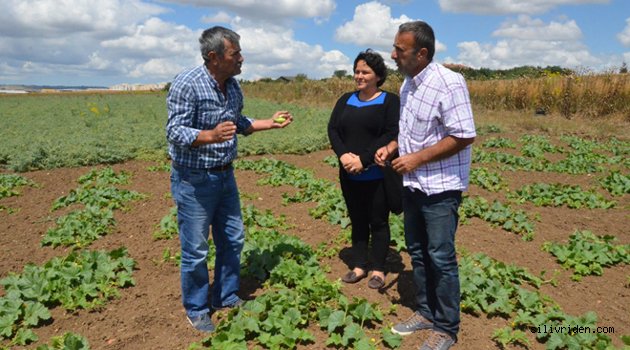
[[351, 277], [376, 282]]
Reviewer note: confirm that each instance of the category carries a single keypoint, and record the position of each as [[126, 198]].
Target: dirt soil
[[149, 315]]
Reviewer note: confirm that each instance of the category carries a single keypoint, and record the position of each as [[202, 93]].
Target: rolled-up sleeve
[[456, 110], [242, 124], [181, 103]]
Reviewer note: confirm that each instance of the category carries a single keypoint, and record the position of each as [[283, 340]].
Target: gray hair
[[423, 35], [212, 40]]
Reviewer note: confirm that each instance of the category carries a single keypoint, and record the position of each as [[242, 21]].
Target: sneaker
[[202, 322], [238, 303], [414, 323], [438, 341]]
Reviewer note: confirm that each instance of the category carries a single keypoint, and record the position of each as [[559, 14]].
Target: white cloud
[[154, 38], [50, 18], [373, 26], [97, 62], [270, 10], [497, 7], [273, 52], [624, 36], [528, 41], [220, 17], [82, 38], [526, 28], [156, 67]]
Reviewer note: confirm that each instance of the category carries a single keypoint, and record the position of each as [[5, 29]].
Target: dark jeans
[[430, 225], [208, 198], [369, 214]]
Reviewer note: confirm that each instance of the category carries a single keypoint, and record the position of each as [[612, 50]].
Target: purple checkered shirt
[[435, 104]]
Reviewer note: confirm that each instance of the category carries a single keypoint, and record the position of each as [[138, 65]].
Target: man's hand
[[444, 148], [407, 163], [281, 119], [385, 153], [224, 132]]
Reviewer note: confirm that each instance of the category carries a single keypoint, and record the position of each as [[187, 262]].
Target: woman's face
[[364, 76]]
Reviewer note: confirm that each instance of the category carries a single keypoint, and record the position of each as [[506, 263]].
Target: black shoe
[[376, 282], [351, 277]]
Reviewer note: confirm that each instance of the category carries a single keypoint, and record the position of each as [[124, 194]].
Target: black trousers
[[369, 215]]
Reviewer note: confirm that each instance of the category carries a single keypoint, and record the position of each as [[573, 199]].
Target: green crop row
[[79, 130], [10, 183], [588, 254], [488, 286], [79, 280], [81, 227], [82, 279]]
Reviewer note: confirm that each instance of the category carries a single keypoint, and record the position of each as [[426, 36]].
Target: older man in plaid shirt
[[436, 132], [204, 114]]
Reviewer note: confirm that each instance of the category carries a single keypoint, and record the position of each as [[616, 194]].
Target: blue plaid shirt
[[196, 103]]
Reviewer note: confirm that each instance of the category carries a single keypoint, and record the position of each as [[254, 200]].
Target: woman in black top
[[362, 122]]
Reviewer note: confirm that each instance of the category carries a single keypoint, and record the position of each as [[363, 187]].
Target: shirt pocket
[[210, 112]]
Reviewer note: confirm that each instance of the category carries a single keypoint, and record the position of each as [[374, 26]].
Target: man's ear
[[423, 53], [212, 56]]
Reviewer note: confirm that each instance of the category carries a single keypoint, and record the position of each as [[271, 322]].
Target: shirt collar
[[420, 77], [214, 83]]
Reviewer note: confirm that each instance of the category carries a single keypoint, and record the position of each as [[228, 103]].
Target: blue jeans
[[208, 198], [430, 225]]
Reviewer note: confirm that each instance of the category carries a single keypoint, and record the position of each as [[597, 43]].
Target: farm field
[[530, 191]]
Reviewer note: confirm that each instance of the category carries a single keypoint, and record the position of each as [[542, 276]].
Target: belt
[[223, 167]]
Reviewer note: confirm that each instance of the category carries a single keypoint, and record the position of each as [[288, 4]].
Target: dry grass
[[591, 96], [598, 105], [527, 122]]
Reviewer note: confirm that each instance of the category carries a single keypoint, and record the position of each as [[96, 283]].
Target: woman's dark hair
[[375, 62]]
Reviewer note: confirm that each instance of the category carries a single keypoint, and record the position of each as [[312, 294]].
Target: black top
[[362, 127]]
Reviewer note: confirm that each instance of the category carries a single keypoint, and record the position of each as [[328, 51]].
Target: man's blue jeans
[[208, 198], [430, 225]]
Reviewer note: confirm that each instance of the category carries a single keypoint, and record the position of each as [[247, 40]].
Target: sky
[[108, 42]]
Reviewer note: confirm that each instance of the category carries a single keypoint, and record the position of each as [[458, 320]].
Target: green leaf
[[6, 324], [335, 339], [24, 336], [336, 319], [34, 312], [364, 344], [391, 339], [353, 331]]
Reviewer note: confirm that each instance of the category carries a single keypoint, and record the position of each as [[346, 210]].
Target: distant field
[[595, 96], [42, 131], [51, 131]]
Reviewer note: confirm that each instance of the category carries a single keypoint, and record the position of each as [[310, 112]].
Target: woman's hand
[[351, 163]]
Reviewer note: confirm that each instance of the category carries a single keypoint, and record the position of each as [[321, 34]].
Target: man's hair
[[423, 35], [375, 62], [212, 40]]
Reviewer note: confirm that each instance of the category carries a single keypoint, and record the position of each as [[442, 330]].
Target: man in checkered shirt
[[204, 114], [436, 132]]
